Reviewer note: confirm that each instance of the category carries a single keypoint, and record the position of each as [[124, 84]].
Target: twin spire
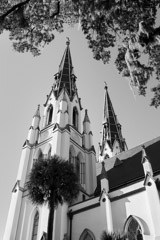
[[65, 76], [111, 130], [65, 79]]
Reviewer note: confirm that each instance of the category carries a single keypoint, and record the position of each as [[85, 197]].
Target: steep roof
[[65, 76], [111, 127], [130, 168]]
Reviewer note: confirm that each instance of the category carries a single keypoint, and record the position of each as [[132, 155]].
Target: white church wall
[[65, 144], [26, 218], [92, 219], [91, 173], [75, 136], [47, 133], [56, 143], [24, 221], [126, 189], [135, 204]]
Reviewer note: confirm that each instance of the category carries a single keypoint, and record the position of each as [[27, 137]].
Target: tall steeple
[[65, 76], [111, 131], [60, 134]]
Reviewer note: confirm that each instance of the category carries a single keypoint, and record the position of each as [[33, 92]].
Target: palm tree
[[52, 181], [112, 236]]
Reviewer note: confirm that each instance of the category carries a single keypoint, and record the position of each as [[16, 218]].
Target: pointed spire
[[111, 128], [37, 113], [65, 76], [86, 118]]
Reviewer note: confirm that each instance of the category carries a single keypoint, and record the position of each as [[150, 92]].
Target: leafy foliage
[[52, 177], [129, 25], [52, 181], [111, 236]]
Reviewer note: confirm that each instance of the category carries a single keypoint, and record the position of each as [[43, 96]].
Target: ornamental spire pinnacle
[[86, 118], [37, 113]]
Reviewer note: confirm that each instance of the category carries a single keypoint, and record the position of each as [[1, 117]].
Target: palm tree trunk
[[50, 217]]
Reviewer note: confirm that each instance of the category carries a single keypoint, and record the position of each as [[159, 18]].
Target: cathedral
[[120, 188]]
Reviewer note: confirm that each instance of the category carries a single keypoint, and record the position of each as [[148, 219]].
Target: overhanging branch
[[15, 7]]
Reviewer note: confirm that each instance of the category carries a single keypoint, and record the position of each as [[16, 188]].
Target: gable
[[126, 168]]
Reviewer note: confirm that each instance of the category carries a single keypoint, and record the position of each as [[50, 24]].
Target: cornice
[[139, 190]]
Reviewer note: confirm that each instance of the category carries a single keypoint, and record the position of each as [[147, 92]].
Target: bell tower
[[60, 132]]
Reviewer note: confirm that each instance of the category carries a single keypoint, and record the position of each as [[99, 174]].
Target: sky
[[26, 80]]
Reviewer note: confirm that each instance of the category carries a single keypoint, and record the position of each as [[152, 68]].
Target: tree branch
[[19, 5]]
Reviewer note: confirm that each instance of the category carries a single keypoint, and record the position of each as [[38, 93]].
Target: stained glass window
[[35, 226], [49, 114], [134, 231], [75, 117]]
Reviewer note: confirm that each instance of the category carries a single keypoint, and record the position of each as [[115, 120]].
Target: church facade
[[120, 188]]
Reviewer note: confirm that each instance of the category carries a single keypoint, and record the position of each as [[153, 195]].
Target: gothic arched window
[[38, 155], [49, 152], [35, 226], [87, 235], [49, 114], [82, 173], [72, 157], [133, 229], [81, 169], [78, 167], [75, 117]]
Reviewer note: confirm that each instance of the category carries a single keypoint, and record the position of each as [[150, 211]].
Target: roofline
[[140, 145]]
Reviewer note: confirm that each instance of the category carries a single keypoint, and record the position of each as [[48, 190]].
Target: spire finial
[[68, 41], [106, 87]]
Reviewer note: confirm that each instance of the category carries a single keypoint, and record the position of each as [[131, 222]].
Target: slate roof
[[65, 76], [111, 127], [126, 167]]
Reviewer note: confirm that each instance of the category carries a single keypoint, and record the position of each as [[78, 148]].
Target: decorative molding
[[118, 162], [147, 178], [17, 186], [59, 111], [27, 144], [84, 209], [112, 199], [45, 128], [101, 194]]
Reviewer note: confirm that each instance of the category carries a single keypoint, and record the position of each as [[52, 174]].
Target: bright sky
[[25, 82]]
